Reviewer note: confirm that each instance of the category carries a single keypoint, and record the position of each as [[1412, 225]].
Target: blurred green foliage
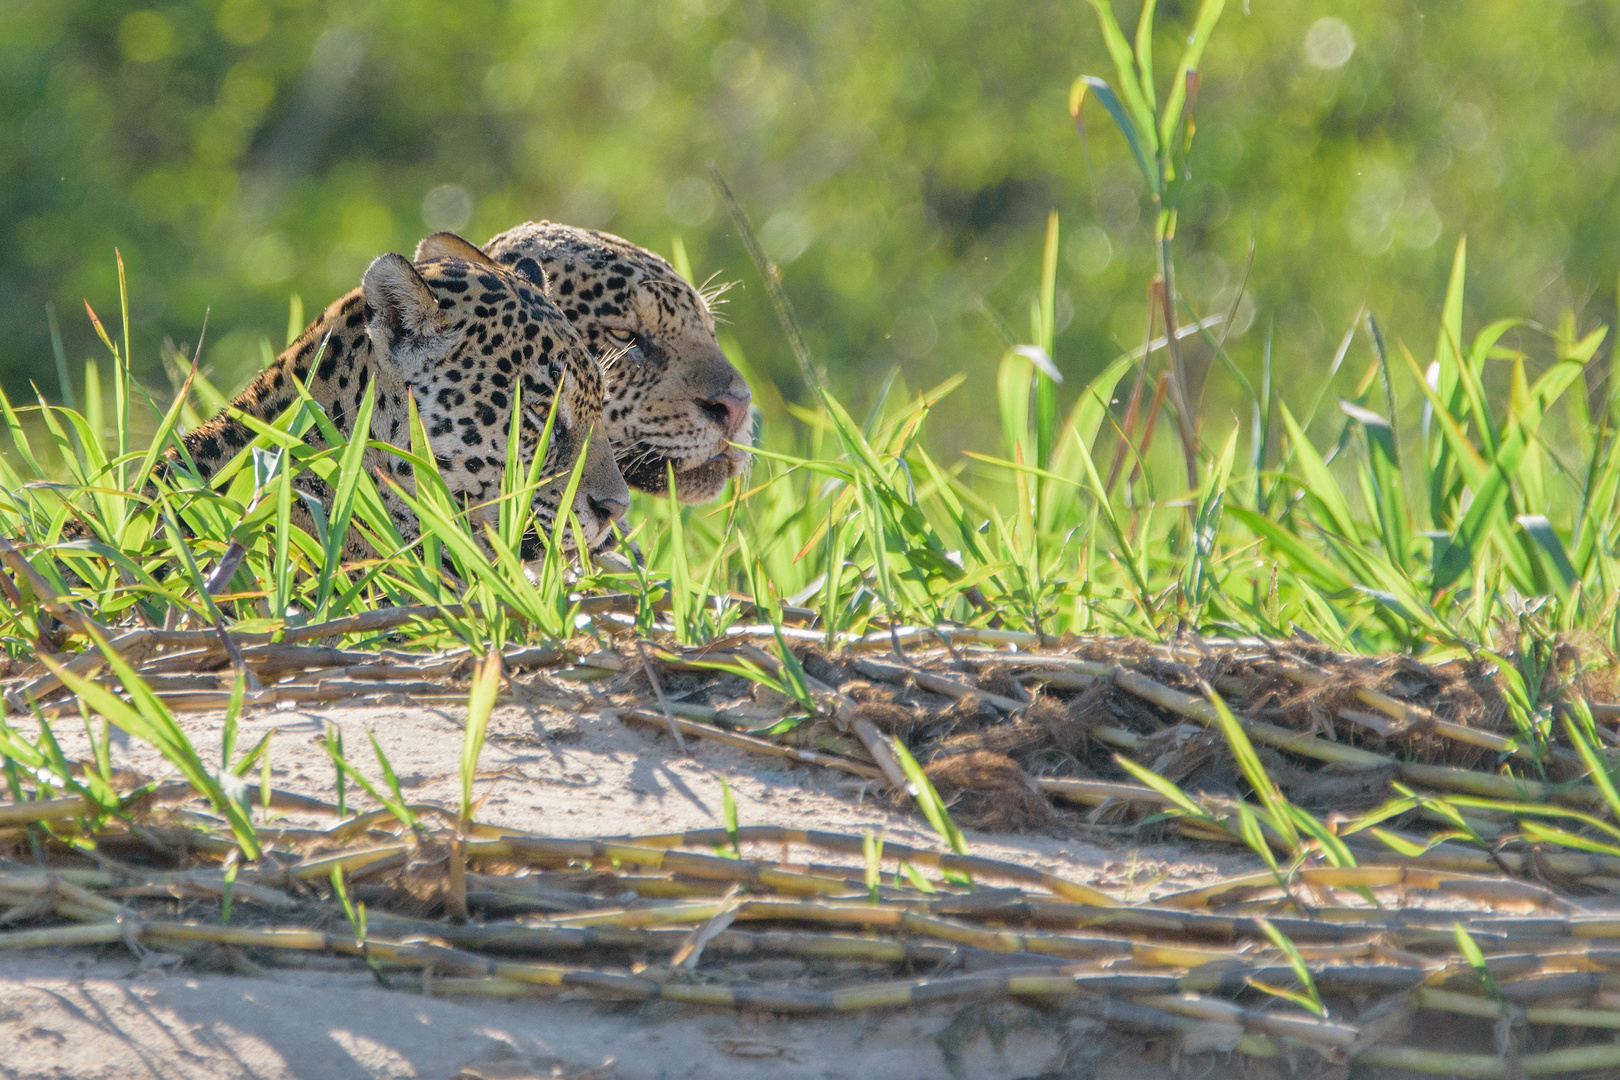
[[899, 158]]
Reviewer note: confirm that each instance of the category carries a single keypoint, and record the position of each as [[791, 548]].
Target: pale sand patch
[[102, 1021], [97, 1015]]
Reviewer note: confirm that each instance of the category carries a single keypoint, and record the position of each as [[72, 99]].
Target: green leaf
[[1141, 115], [480, 703], [356, 917], [1449, 336], [350, 474], [1252, 834], [1389, 495], [1334, 850], [1476, 959], [1312, 999], [1456, 555], [1543, 834], [728, 809], [1209, 13], [397, 804], [1579, 726], [872, 850], [1144, 52], [1046, 375], [1164, 787], [933, 807], [1122, 120], [1265, 788], [1301, 559], [396, 807], [1318, 481], [916, 878], [1541, 531]]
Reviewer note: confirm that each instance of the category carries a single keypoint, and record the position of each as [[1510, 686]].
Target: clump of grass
[[393, 799], [147, 718]]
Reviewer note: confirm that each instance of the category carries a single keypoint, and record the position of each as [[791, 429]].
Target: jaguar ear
[[528, 268], [447, 245], [401, 303]]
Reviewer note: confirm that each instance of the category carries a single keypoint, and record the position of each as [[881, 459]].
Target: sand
[[101, 1013]]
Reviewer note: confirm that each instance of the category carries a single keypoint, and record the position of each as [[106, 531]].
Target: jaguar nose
[[729, 410], [607, 510]]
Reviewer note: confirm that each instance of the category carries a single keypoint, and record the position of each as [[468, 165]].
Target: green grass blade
[[1140, 116], [728, 810], [486, 686], [1045, 386], [1476, 959], [1164, 787], [1318, 481], [351, 472], [1563, 573], [872, 851], [1144, 53], [933, 807], [1209, 13], [1265, 788], [1449, 336], [1389, 497], [1579, 726], [1313, 999], [1122, 119], [397, 803]]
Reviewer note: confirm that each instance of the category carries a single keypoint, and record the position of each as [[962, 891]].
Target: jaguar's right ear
[[401, 303], [447, 245]]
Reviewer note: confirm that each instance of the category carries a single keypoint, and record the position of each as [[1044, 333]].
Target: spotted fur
[[672, 397], [464, 337]]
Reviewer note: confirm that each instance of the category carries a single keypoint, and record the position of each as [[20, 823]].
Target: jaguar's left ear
[[447, 245]]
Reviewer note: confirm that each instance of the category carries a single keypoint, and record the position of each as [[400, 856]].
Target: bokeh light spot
[[145, 36], [267, 260], [242, 22], [630, 85], [1329, 43], [785, 236], [447, 207], [690, 201]]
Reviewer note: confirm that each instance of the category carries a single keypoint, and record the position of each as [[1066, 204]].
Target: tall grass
[[1500, 505]]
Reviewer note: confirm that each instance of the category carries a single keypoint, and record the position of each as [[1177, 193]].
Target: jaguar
[[673, 400]]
